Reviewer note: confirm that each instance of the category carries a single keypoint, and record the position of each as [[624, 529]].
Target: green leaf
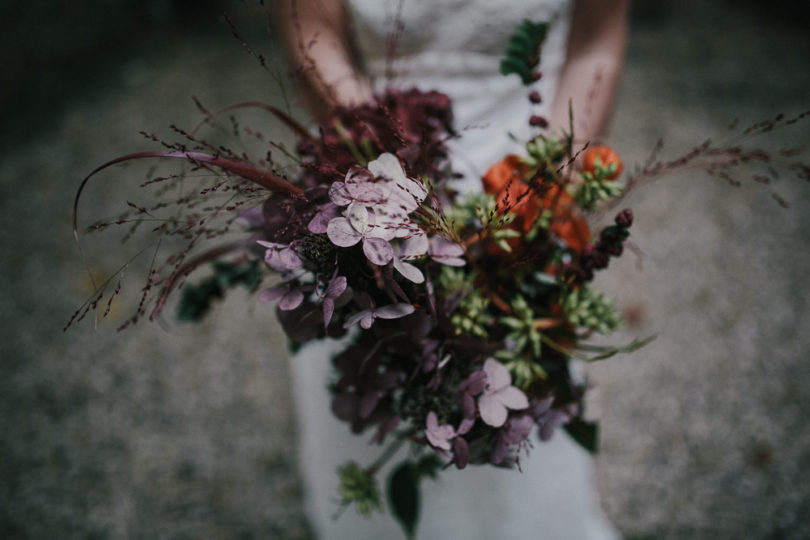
[[403, 496], [196, 300], [511, 65], [584, 433], [359, 488], [522, 51]]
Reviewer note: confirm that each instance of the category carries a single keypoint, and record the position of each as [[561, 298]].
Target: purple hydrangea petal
[[466, 425], [289, 259], [273, 293], [291, 300], [368, 403], [339, 194], [512, 398], [394, 311], [387, 166], [447, 252], [341, 233], [493, 413], [499, 451], [438, 435], [280, 257], [475, 383], [409, 271], [384, 428], [251, 218], [414, 188], [468, 406], [360, 318], [274, 245], [553, 419], [378, 250], [343, 406], [336, 287], [415, 246], [367, 320], [320, 221], [328, 311], [461, 452], [517, 429], [365, 193], [357, 214], [381, 228], [497, 375]]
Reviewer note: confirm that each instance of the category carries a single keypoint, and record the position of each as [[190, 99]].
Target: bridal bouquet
[[465, 318]]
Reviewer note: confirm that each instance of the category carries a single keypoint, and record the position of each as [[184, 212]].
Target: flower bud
[[624, 218], [538, 121]]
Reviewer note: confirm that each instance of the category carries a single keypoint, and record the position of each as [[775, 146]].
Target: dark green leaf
[[511, 65], [428, 466], [403, 496], [196, 300], [586, 434], [522, 52]]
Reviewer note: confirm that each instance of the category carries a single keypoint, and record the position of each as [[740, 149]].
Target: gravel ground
[[186, 432]]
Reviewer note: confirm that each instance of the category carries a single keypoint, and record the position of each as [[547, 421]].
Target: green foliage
[[584, 433], [524, 371], [453, 279], [404, 496], [604, 352], [597, 186], [522, 358], [523, 52], [196, 299], [591, 192], [543, 151], [472, 316], [359, 488], [481, 209], [590, 309]]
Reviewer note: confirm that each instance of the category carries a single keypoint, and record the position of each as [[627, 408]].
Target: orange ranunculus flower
[[606, 155], [566, 221], [511, 168], [506, 180]]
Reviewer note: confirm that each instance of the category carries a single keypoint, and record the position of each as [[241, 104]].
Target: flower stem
[[392, 449]]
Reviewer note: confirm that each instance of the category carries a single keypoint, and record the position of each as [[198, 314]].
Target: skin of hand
[[318, 40], [596, 46]]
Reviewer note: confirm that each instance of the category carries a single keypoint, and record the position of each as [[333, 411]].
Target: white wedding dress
[[453, 46]]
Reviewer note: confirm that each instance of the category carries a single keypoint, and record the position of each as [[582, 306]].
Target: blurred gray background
[[175, 431]]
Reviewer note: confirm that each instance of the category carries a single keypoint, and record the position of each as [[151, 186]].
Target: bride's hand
[[319, 42]]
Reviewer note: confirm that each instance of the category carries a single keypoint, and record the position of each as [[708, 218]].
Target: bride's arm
[[319, 44], [596, 46]]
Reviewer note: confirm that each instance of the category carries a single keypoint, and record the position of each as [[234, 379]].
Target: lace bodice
[[455, 46], [441, 26]]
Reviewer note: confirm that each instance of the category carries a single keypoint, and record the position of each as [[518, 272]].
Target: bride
[[344, 51]]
